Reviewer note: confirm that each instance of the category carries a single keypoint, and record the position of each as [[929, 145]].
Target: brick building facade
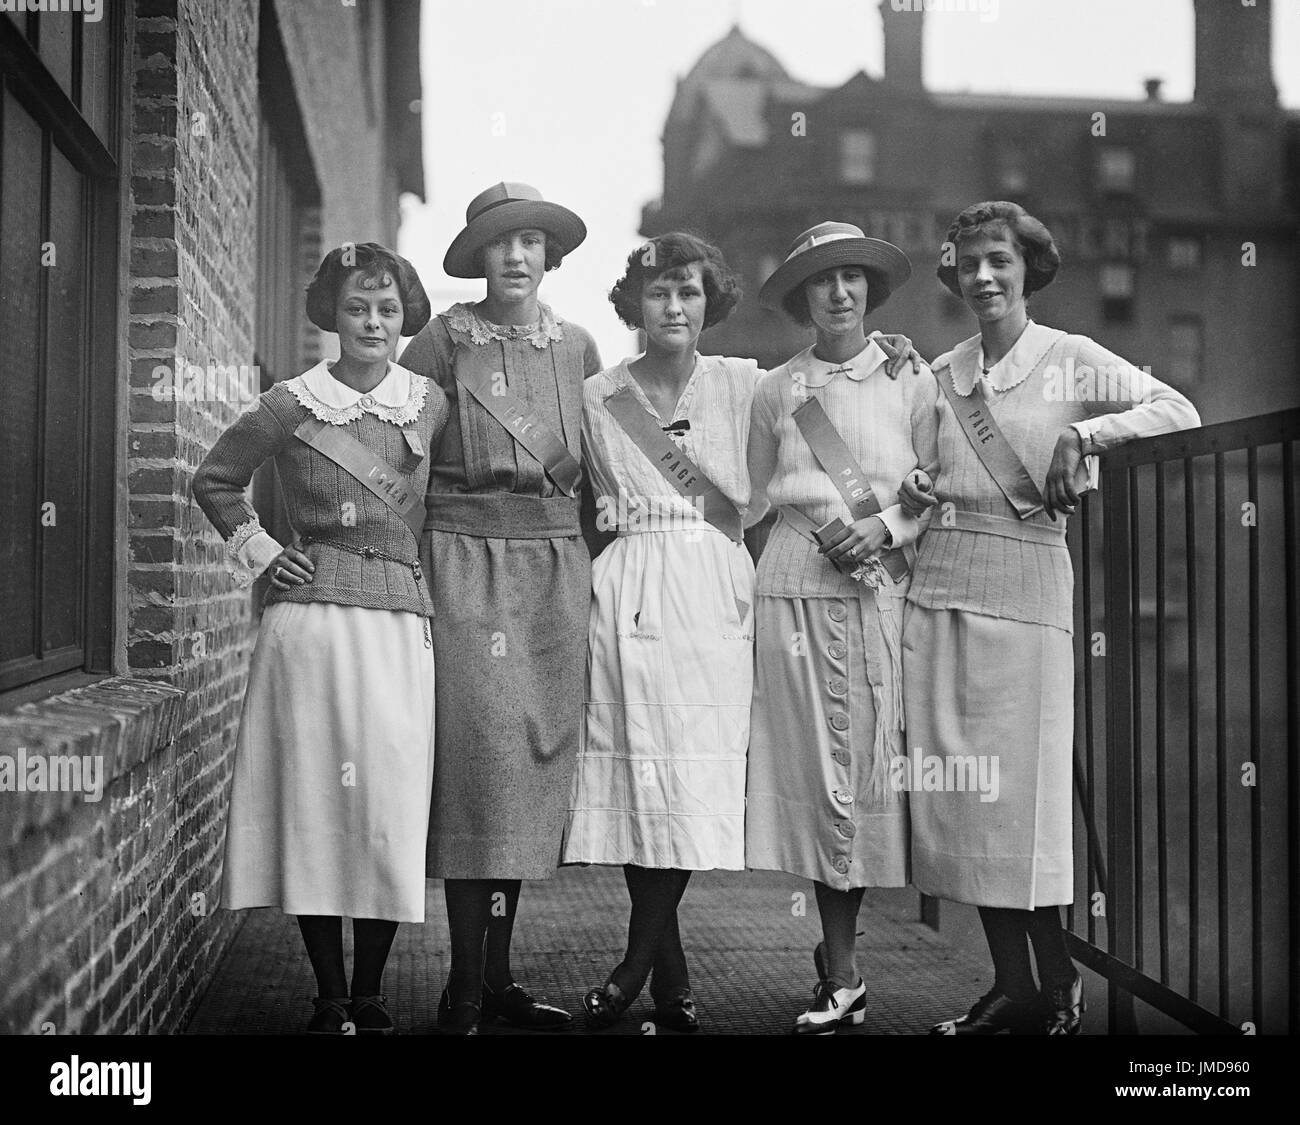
[[172, 173], [1177, 221]]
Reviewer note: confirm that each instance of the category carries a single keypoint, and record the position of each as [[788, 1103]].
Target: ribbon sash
[[368, 468], [836, 459], [522, 423], [674, 466], [991, 446]]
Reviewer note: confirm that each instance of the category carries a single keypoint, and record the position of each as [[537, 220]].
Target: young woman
[[988, 667], [510, 578], [827, 714], [329, 806], [660, 786]]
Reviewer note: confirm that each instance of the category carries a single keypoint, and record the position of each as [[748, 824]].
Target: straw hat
[[838, 244], [506, 207]]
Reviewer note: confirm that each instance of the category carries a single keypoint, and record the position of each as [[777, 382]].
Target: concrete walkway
[[749, 939]]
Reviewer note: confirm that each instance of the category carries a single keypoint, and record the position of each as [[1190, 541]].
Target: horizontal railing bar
[[1223, 437]]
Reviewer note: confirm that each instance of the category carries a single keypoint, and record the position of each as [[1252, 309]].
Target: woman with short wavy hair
[[329, 805]]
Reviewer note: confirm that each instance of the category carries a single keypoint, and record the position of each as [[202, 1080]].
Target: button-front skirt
[[819, 800]]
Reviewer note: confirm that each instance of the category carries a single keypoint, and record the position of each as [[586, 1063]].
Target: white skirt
[[670, 670], [329, 807]]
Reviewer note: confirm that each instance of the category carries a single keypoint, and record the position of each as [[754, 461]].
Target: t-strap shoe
[[330, 1017], [831, 1007]]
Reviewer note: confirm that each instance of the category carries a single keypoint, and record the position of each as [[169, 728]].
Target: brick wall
[[107, 907]]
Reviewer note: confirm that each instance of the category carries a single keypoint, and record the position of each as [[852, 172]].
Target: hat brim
[[874, 255], [519, 214]]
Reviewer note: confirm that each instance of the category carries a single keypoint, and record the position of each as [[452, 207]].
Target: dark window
[[1186, 344], [288, 252], [1183, 252], [1117, 286], [58, 312]]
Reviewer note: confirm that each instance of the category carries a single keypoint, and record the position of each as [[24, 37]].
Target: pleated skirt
[[992, 700], [661, 773], [329, 805]]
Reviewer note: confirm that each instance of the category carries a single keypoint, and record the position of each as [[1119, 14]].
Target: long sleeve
[[1122, 401], [761, 452], [220, 486]]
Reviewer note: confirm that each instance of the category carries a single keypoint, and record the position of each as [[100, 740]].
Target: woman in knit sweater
[[329, 804], [827, 713], [988, 667]]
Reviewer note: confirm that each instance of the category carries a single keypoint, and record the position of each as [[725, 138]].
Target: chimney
[[1152, 86], [1233, 57], [902, 20]]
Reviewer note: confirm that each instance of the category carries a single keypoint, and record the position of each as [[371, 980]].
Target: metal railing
[[1187, 764]]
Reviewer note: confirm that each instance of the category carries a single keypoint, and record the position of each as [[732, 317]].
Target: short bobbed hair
[[378, 266], [555, 251], [795, 302], [670, 254], [1032, 238]]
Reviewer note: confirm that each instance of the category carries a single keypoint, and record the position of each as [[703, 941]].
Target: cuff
[[902, 528], [1085, 430], [249, 552]]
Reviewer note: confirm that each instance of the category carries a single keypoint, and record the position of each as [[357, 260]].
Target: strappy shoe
[[330, 1016], [676, 1011], [605, 1005], [370, 1014], [831, 1007]]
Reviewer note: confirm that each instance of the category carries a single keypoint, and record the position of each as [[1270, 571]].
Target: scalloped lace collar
[[967, 360], [466, 324], [398, 398]]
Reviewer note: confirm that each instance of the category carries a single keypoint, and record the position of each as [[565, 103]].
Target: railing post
[[1120, 922]]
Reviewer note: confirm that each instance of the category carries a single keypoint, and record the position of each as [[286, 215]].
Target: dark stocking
[[655, 893], [839, 911], [322, 934], [372, 938], [1006, 930], [500, 929], [469, 902], [670, 973], [1054, 965]]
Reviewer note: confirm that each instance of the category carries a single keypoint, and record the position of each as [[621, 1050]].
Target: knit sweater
[[1048, 381], [877, 417], [325, 501]]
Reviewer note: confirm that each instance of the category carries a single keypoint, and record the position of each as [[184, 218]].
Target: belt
[[502, 515], [954, 519]]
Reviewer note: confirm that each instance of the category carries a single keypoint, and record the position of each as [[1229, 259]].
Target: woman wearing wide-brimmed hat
[[510, 578], [827, 714], [329, 804], [987, 655]]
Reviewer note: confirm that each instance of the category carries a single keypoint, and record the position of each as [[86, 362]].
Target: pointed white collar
[[966, 360], [398, 398], [807, 369]]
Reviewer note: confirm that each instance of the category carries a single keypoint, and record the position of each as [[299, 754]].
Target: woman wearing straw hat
[[510, 578], [988, 661], [831, 436]]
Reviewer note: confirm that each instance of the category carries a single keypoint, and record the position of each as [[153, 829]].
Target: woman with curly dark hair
[[988, 665], [329, 805], [660, 787]]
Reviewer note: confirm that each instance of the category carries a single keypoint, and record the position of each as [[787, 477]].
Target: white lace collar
[[465, 323], [967, 360], [807, 369], [398, 398]]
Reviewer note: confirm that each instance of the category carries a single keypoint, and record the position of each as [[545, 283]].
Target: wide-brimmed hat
[[837, 244], [506, 207]]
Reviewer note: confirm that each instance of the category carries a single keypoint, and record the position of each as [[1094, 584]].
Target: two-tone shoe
[[832, 1007]]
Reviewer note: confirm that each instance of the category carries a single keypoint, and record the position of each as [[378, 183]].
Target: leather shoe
[[517, 1008], [994, 1012], [676, 1011], [457, 1019], [330, 1016], [831, 1007], [1065, 1007], [370, 1015], [605, 1005]]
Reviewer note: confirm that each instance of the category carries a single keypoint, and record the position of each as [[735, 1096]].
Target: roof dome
[[733, 56]]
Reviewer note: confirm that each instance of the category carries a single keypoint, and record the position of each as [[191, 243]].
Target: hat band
[[816, 240], [499, 202]]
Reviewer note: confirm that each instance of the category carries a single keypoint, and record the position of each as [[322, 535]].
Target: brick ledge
[[122, 720]]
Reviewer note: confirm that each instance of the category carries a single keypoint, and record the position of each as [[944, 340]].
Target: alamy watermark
[[91, 10], [1109, 382], [945, 773], [54, 773], [987, 10], [215, 383], [628, 513]]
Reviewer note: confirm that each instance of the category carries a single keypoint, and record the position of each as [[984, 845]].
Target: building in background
[[1177, 221], [172, 173]]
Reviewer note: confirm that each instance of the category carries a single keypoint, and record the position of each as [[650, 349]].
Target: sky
[[571, 97]]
